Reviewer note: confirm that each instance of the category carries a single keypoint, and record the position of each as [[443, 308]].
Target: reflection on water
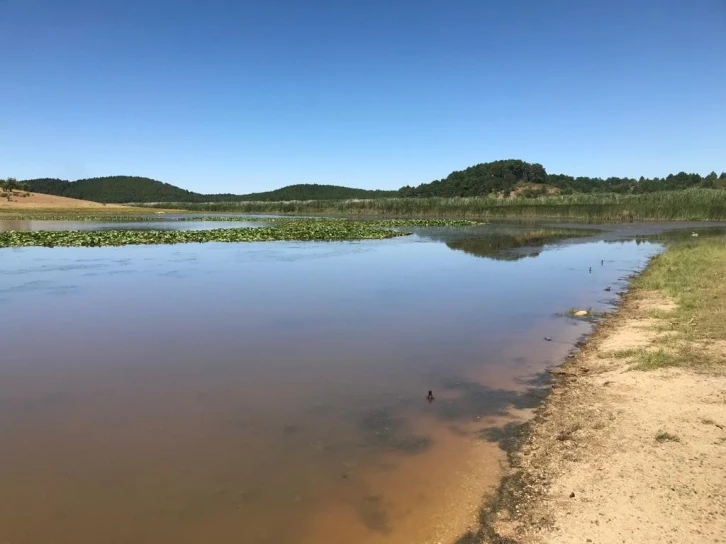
[[513, 244], [276, 392]]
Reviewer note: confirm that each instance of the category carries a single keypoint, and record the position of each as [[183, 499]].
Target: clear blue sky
[[242, 96]]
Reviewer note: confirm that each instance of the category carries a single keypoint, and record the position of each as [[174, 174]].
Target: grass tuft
[[663, 436]]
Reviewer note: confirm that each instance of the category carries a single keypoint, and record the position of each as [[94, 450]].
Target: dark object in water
[[430, 396], [602, 262], [608, 288], [591, 270], [548, 338]]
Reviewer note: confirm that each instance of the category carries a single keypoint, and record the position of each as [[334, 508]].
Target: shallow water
[[275, 392]]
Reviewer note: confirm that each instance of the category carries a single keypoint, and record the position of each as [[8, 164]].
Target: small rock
[[572, 495]]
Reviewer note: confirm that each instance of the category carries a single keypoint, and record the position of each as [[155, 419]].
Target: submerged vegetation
[[686, 205]]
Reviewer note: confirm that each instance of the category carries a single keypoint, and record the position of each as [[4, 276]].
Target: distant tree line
[[492, 178], [505, 176], [313, 191], [113, 189], [12, 184], [123, 189]]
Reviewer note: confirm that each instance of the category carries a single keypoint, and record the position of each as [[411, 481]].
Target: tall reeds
[[685, 205]]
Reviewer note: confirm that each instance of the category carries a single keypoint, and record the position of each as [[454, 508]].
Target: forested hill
[[123, 189], [527, 179], [114, 189], [313, 191], [501, 178]]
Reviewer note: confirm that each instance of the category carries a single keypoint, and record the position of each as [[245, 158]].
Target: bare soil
[[621, 455]]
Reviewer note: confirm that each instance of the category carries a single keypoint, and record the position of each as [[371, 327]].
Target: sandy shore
[[617, 454]]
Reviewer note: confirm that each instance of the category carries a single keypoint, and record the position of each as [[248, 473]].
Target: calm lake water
[[275, 392]]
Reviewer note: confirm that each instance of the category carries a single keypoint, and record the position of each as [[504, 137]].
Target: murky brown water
[[275, 393]]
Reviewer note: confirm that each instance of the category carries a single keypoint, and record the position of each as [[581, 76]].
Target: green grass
[[290, 230], [693, 275], [690, 204], [654, 359]]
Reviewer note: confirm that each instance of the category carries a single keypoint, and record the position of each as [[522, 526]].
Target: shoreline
[[630, 441]]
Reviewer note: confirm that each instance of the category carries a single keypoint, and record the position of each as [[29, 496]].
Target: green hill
[[114, 189], [528, 179], [505, 178], [123, 189], [313, 191]]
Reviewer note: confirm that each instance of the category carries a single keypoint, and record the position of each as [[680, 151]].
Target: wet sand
[[616, 454]]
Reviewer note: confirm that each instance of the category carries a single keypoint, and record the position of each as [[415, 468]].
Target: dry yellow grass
[[38, 201]]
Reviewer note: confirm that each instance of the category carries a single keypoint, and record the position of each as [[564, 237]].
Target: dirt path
[[620, 455]]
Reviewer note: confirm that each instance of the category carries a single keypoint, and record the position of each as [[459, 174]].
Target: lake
[[276, 392]]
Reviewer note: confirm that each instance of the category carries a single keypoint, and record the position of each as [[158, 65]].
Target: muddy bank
[[616, 454]]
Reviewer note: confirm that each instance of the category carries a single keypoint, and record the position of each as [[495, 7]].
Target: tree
[[11, 184]]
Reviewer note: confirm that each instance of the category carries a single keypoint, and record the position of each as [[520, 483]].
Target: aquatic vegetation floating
[[376, 223], [150, 217], [389, 223], [301, 230], [80, 216]]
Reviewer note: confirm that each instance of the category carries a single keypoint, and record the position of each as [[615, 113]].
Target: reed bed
[[685, 205]]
